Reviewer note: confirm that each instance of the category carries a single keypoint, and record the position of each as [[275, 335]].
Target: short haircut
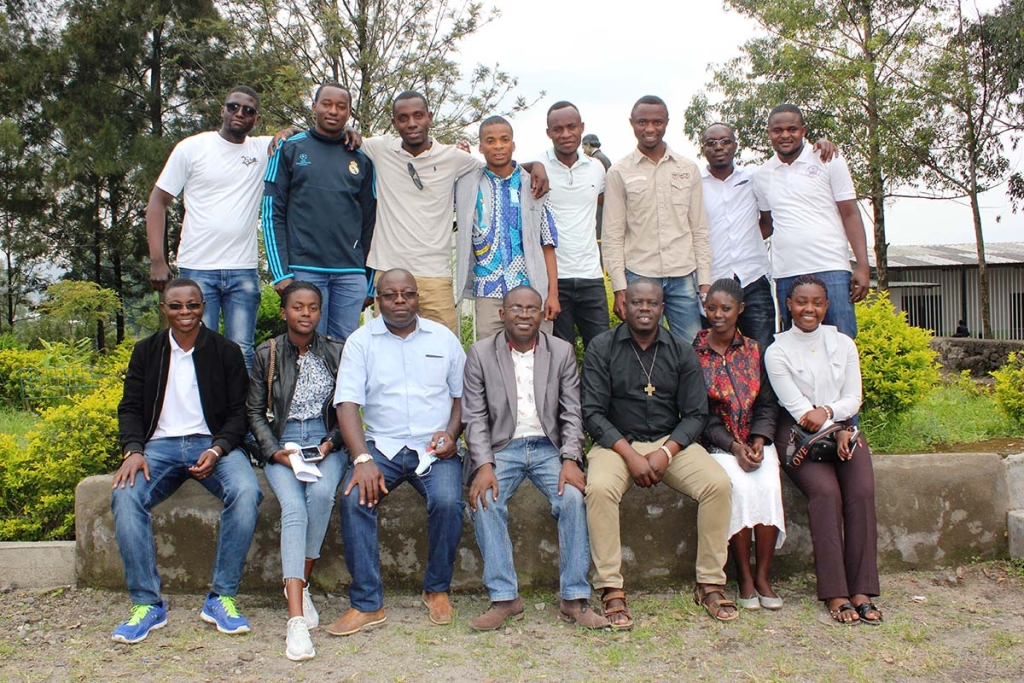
[[332, 84], [520, 288], [728, 286], [562, 104], [646, 281], [732, 131], [787, 108], [298, 286], [246, 90], [181, 283], [494, 121], [409, 95], [649, 99], [806, 279]]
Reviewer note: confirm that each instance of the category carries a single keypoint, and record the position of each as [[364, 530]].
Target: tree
[[843, 62], [972, 111], [376, 49], [75, 302]]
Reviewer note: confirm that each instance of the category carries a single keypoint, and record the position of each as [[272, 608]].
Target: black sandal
[[864, 608], [845, 607]]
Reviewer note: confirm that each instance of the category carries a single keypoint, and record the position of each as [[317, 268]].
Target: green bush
[[896, 362], [268, 317], [1009, 389]]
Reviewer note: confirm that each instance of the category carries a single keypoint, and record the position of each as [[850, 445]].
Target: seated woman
[[290, 392], [815, 373], [742, 412]]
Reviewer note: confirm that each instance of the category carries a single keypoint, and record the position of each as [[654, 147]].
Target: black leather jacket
[[286, 355]]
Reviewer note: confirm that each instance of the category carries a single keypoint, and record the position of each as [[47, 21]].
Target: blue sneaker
[[221, 610], [145, 618]]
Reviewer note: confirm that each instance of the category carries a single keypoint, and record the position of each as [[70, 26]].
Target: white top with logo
[[223, 185], [573, 198], [809, 236]]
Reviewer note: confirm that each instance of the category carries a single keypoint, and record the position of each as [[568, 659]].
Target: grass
[[957, 412], [17, 423]]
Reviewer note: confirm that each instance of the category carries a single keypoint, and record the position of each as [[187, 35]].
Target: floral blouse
[[312, 387]]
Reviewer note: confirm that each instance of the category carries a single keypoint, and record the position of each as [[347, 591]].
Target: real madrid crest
[[353, 167]]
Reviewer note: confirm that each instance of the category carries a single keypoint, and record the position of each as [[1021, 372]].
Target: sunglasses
[[415, 177], [191, 305], [235, 106]]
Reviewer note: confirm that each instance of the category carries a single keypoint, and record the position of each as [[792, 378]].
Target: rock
[[947, 579]]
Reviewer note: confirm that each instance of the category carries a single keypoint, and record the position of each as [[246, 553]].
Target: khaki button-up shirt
[[654, 222]]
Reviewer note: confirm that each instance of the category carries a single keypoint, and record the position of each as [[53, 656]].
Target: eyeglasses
[[235, 106], [391, 296], [516, 309], [191, 305], [415, 177], [714, 144]]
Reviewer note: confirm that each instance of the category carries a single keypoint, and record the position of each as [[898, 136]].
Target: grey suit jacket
[[489, 400]]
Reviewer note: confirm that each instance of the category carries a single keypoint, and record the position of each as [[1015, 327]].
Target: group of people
[[334, 405]]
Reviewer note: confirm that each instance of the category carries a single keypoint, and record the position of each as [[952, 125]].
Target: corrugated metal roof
[[946, 255]]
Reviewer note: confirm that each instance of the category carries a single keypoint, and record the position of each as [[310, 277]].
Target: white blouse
[[809, 369]]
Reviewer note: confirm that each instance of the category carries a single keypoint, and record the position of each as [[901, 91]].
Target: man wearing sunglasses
[[182, 417], [221, 174]]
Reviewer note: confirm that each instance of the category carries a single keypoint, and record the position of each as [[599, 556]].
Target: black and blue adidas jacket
[[319, 207]]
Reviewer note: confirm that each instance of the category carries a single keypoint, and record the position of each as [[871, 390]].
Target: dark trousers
[[841, 510], [757, 320], [584, 306]]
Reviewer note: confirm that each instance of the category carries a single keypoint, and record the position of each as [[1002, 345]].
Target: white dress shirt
[[737, 248], [182, 410], [527, 418]]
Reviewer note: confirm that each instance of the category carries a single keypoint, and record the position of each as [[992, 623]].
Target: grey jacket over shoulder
[[268, 433], [489, 400], [531, 213]]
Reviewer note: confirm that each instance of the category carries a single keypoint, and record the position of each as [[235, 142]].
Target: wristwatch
[[565, 456], [361, 458]]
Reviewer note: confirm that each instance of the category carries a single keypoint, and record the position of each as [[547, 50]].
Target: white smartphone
[[311, 454]]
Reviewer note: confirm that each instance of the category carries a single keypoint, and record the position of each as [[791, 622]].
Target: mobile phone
[[311, 454]]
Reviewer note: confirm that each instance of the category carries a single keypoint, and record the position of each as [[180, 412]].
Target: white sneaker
[[299, 646], [309, 612]]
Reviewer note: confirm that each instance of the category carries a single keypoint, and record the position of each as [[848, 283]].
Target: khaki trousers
[[692, 472], [436, 301], [488, 321]]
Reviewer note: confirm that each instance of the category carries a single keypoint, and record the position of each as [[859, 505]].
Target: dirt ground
[[952, 625]]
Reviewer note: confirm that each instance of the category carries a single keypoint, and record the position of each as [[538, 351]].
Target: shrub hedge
[[1009, 390]]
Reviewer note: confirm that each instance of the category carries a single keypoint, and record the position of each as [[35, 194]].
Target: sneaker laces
[[139, 613], [228, 603]]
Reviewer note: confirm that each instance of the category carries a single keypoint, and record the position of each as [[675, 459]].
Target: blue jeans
[[442, 489], [840, 311], [536, 458], [305, 507], [233, 481], [584, 307], [236, 293], [682, 305], [344, 294]]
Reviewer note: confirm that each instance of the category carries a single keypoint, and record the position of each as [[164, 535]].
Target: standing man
[[645, 404], [654, 222], [405, 373], [415, 182], [811, 210], [592, 148], [221, 173], [522, 418], [319, 211], [577, 190], [181, 417], [506, 237]]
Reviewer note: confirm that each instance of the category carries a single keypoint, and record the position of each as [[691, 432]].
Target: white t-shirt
[[223, 184], [809, 236], [736, 244], [573, 200]]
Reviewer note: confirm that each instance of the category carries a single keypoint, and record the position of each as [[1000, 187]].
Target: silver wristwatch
[[363, 457]]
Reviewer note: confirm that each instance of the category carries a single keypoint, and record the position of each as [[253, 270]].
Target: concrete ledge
[[1015, 522], [37, 565], [933, 510]]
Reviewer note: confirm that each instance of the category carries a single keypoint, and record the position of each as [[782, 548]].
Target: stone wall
[[980, 356], [933, 510]]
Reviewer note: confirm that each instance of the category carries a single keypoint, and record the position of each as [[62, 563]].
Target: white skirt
[[757, 495]]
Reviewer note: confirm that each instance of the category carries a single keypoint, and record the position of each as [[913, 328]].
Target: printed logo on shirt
[[249, 161], [684, 175], [353, 167], [813, 171], [303, 160]]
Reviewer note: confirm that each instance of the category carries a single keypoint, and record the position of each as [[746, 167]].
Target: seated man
[[645, 404], [182, 416], [522, 417], [405, 372]]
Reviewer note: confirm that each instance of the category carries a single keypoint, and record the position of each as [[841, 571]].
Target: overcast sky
[[603, 55]]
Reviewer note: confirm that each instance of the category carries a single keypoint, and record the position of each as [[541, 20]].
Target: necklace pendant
[[649, 389]]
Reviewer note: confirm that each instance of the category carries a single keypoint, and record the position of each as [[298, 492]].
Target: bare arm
[[854, 227], [156, 225]]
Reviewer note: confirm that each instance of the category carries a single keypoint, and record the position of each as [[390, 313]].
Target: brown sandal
[[701, 595], [617, 594]]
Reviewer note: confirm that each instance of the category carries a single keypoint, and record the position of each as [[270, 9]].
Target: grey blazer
[[489, 398]]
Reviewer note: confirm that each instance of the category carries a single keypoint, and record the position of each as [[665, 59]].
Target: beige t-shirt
[[414, 226]]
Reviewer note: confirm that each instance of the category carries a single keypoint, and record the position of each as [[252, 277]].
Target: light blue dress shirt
[[405, 386]]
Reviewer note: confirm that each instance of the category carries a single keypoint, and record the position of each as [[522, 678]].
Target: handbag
[[817, 446]]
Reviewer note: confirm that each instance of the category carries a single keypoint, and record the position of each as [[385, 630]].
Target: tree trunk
[[875, 156], [97, 255], [986, 308]]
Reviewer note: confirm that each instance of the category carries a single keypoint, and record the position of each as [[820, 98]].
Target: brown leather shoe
[[441, 610], [495, 617], [354, 621], [578, 612]]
